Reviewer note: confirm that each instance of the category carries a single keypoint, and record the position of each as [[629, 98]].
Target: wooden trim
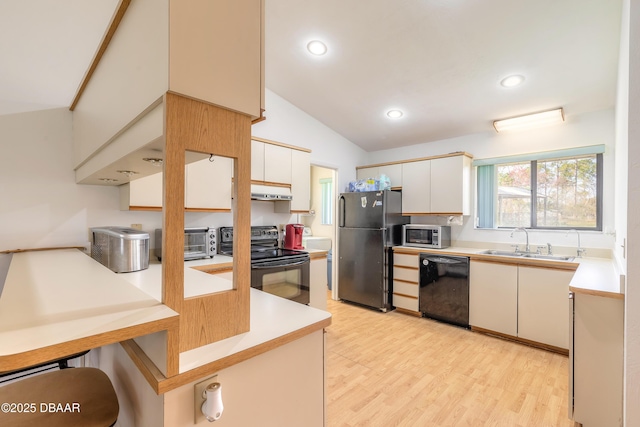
[[405, 295], [399, 162], [192, 125], [162, 384], [26, 359], [215, 268], [211, 210], [159, 209], [295, 211], [405, 281], [508, 337], [318, 255], [261, 118], [106, 39], [494, 261], [399, 188], [409, 312], [271, 184], [407, 251], [268, 141], [406, 267], [595, 293], [525, 262], [146, 208], [15, 251]]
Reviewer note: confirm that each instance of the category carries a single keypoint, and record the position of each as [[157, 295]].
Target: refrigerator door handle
[[341, 212]]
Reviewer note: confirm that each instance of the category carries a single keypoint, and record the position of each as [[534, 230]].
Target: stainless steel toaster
[[120, 249]]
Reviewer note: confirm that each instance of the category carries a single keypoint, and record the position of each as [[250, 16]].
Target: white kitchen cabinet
[[208, 184], [493, 297], [416, 188], [597, 359], [394, 172], [542, 305], [142, 194], [277, 164], [300, 181], [207, 188], [318, 282], [364, 173], [406, 278], [451, 185], [257, 160]]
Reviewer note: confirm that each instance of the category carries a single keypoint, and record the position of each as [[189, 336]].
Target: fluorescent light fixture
[[511, 81], [317, 47], [529, 121], [394, 114]]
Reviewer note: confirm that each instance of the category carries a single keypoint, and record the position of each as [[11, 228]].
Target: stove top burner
[[275, 253]]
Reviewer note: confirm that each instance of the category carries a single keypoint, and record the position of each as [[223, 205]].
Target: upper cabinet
[[208, 188], [210, 51], [439, 185], [277, 164], [300, 181]]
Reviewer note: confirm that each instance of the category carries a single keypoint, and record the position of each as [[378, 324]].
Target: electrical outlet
[[198, 398], [137, 226]]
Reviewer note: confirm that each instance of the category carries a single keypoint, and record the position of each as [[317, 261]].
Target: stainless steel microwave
[[426, 236]]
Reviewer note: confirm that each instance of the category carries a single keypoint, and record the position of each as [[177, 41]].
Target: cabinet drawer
[[405, 288], [406, 260], [407, 274], [405, 302]]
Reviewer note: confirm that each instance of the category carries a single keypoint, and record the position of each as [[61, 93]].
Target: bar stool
[[73, 397]]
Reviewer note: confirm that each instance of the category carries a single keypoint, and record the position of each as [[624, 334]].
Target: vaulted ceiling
[[439, 61]]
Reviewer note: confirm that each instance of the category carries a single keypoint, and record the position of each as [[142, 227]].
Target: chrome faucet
[[579, 251], [526, 248]]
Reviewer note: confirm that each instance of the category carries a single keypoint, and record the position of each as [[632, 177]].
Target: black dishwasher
[[444, 288]]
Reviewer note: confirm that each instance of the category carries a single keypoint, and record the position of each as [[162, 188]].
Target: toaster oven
[[199, 242]]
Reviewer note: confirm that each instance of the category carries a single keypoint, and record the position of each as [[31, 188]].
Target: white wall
[[582, 130], [288, 124]]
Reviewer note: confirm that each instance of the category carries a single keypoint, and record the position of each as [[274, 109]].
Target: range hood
[[267, 192]]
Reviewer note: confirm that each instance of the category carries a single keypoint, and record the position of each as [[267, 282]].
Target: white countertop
[[597, 276], [52, 298]]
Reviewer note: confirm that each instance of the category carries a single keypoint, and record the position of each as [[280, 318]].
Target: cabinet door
[[142, 193], [277, 164], [450, 185], [416, 188], [542, 305], [301, 180], [318, 283], [208, 184], [493, 297], [257, 160], [364, 173], [394, 172]]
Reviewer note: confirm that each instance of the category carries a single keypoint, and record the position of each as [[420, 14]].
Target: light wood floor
[[392, 369]]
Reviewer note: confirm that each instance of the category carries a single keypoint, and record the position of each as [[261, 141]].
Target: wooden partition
[[196, 126]]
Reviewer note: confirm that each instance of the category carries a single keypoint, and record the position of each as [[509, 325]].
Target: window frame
[[484, 209]]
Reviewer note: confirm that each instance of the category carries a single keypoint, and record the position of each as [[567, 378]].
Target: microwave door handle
[[341, 211]]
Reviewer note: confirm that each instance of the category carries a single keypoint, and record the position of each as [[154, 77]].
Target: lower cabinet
[[493, 297], [596, 361], [319, 283], [520, 301], [406, 277]]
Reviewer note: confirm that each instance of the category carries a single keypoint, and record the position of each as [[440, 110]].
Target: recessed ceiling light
[[511, 81], [317, 47], [394, 114], [128, 173], [154, 161]]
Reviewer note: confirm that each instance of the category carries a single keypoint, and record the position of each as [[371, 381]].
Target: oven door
[[284, 278], [423, 237]]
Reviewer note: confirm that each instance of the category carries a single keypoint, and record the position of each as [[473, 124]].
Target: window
[[326, 185], [541, 191]]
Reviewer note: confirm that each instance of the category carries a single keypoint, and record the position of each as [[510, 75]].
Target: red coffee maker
[[293, 236]]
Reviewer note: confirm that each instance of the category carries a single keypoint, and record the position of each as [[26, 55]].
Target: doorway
[[323, 216]]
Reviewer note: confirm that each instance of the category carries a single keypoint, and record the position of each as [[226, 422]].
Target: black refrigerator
[[370, 224]]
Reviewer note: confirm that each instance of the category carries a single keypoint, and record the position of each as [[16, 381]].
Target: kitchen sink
[[500, 253], [527, 255], [551, 257]]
